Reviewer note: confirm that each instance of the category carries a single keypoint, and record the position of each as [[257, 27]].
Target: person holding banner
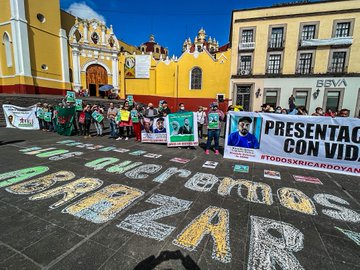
[[242, 137], [87, 124], [215, 116], [151, 112], [201, 120], [98, 115], [125, 122], [136, 117], [165, 110]]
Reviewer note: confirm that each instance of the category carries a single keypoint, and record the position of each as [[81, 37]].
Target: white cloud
[[83, 11]]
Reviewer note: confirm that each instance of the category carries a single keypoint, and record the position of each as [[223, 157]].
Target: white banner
[[310, 142], [19, 117], [142, 66], [154, 131]]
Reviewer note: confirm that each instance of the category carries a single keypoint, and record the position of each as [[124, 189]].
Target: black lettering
[[300, 147], [351, 152], [309, 131], [299, 133], [313, 149], [288, 145], [333, 129], [289, 128], [320, 132], [268, 125], [355, 135], [279, 128], [330, 149], [340, 151], [344, 135]]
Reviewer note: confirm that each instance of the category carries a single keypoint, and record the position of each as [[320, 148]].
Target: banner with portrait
[[19, 117], [309, 142], [154, 131], [182, 129]]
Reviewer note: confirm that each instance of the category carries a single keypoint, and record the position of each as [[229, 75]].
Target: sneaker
[[126, 138], [207, 152], [216, 152], [118, 139]]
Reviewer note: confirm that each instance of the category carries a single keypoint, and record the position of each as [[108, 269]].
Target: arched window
[[7, 45], [196, 78]]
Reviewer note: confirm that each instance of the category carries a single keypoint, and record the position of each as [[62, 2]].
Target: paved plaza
[[97, 203]]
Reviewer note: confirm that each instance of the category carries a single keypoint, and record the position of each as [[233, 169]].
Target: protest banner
[[70, 96], [134, 116], [309, 142], [130, 100], [154, 131], [40, 113], [47, 116], [182, 129], [213, 121], [78, 104], [97, 116], [19, 117], [64, 120]]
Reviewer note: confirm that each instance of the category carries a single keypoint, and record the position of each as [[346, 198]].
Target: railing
[[273, 71], [276, 44], [303, 70], [246, 46], [245, 72], [337, 69]]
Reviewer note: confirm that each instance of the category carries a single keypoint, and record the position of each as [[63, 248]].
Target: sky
[[170, 21]]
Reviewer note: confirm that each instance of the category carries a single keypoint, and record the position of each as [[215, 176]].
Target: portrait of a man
[[242, 137]]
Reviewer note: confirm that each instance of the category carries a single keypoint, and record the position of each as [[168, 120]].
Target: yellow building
[[310, 50], [196, 78]]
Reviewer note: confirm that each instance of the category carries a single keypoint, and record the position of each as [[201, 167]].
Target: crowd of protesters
[[142, 116]]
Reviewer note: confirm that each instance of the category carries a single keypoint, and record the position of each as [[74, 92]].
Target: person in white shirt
[[201, 120]]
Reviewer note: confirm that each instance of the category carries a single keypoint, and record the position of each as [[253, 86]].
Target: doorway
[[243, 97], [96, 76]]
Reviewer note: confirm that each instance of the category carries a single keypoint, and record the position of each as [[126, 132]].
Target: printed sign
[[97, 116], [309, 142], [210, 164], [152, 155], [180, 160], [118, 117], [142, 67], [272, 174], [137, 153], [19, 117], [241, 168], [182, 129], [129, 67], [213, 121], [47, 116], [134, 116], [70, 96], [154, 131], [307, 179], [78, 104], [40, 113], [125, 115], [130, 100]]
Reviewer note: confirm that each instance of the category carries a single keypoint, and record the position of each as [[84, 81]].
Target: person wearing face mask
[[151, 112], [181, 108], [242, 137], [278, 109], [125, 123], [165, 110], [201, 120], [214, 127]]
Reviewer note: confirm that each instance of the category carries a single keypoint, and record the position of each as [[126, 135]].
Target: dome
[[153, 47]]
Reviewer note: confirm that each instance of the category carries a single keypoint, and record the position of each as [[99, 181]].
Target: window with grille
[[277, 37], [271, 97], [196, 75], [338, 62], [274, 64], [247, 36], [245, 64], [342, 29], [305, 60], [308, 32]]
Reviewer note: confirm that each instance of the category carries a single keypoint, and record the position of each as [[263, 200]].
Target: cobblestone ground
[[98, 203]]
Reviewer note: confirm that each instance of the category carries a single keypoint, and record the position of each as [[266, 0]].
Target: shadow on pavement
[[152, 262], [10, 142]]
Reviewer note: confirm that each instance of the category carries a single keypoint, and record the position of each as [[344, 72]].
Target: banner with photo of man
[[19, 117], [309, 142], [154, 131], [182, 129]]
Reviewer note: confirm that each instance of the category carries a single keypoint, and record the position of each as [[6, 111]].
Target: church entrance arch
[[96, 76]]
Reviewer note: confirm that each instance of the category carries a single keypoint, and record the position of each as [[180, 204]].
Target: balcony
[[337, 69], [304, 71], [243, 46], [275, 45], [273, 71], [339, 41], [244, 72]]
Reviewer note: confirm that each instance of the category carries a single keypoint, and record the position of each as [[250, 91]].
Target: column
[[76, 69], [115, 71], [103, 36], [64, 56], [85, 25]]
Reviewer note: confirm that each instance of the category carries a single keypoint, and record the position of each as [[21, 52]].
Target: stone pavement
[[98, 203]]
